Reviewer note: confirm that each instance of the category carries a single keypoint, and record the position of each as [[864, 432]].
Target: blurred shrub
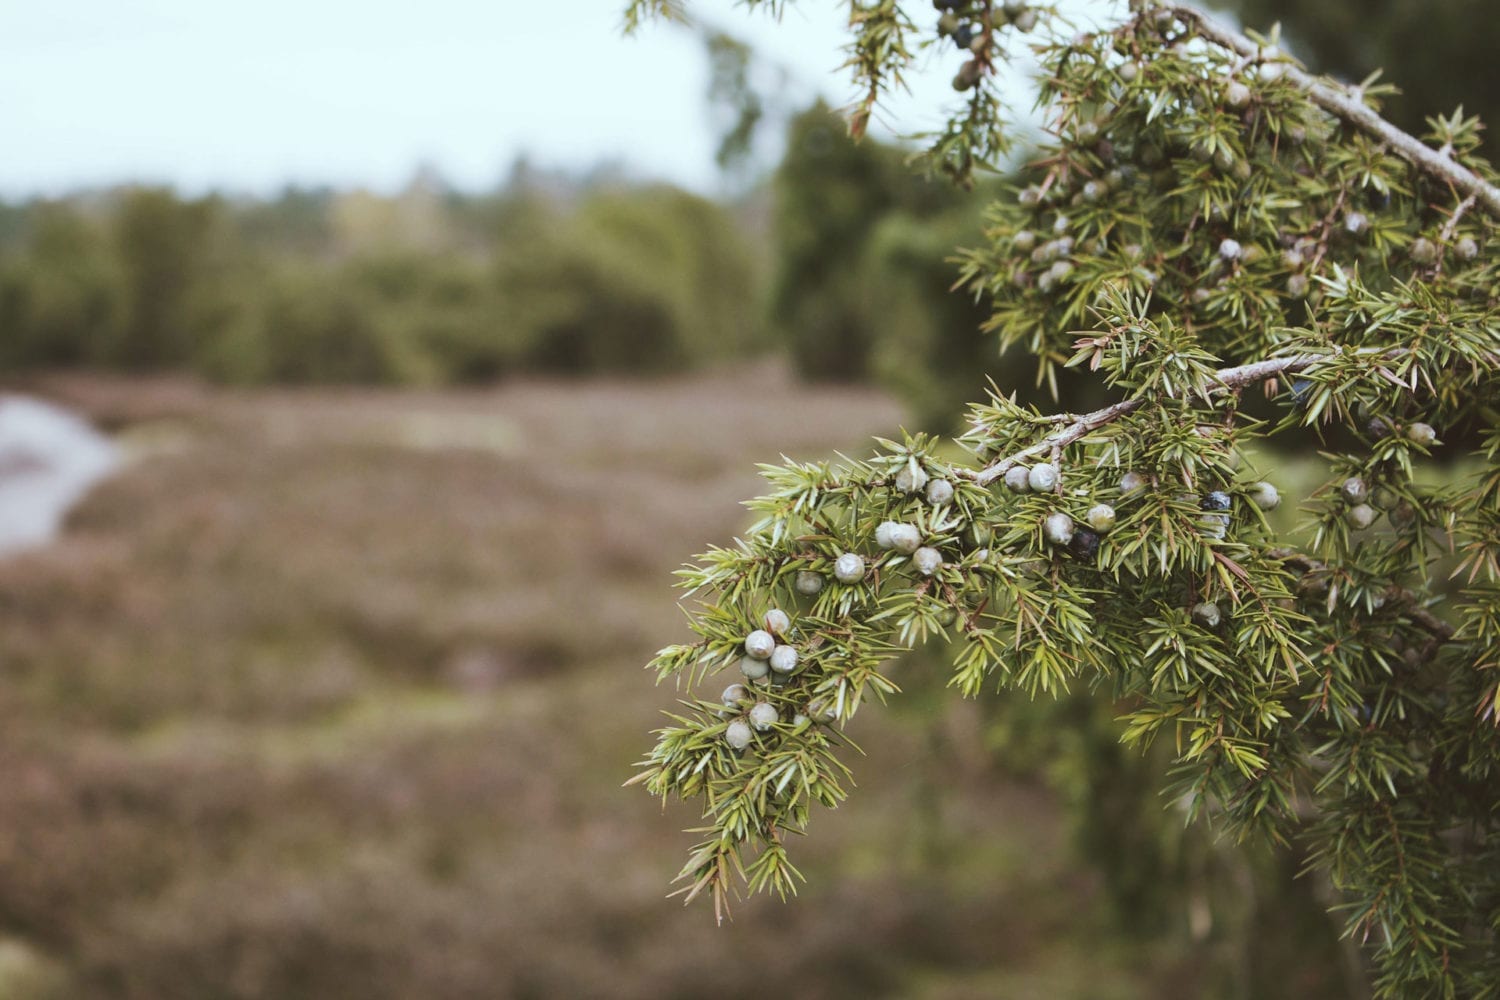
[[831, 193], [641, 281], [864, 252], [423, 288], [61, 302]]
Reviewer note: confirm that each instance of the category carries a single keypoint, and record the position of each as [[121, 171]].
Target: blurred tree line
[[426, 287], [841, 259]]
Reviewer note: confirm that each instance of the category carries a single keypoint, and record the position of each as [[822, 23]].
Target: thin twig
[[1228, 379]]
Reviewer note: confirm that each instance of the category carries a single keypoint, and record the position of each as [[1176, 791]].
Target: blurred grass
[[331, 694]]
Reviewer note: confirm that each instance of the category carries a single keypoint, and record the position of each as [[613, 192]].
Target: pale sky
[[246, 97]]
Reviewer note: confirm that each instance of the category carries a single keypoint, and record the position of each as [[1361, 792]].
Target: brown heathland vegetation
[[332, 693]]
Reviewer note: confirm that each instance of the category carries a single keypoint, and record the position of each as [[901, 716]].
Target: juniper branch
[[1410, 602], [1227, 379], [1345, 105]]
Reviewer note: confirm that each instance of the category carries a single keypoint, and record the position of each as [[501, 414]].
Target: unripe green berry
[[777, 622], [948, 23], [1058, 528], [1214, 524], [1422, 434], [927, 560], [1404, 515], [808, 582], [1361, 516], [784, 659], [905, 538], [758, 644], [738, 735], [1042, 477], [1093, 191], [1018, 478], [939, 492], [1384, 498], [1207, 615], [1131, 482], [1264, 495], [1354, 490], [911, 478], [764, 715], [822, 710], [1024, 21], [754, 669], [1101, 517], [849, 568], [1423, 252]]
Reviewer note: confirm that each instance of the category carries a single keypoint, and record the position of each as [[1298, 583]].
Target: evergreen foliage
[[1454, 64], [1207, 223]]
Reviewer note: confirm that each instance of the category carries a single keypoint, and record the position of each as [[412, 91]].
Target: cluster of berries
[[971, 27], [767, 655], [1365, 505], [850, 567]]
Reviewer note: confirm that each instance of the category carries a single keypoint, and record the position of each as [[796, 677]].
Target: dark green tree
[[60, 292]]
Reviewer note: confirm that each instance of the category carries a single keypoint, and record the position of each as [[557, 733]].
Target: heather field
[[331, 693]]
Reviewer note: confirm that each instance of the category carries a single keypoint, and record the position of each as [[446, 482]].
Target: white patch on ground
[[49, 459]]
